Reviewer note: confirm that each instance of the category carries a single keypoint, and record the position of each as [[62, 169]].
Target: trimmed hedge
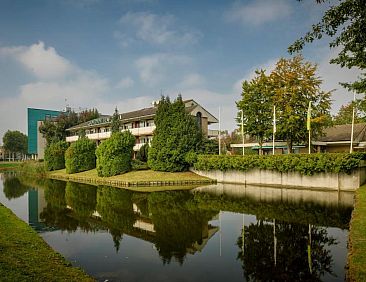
[[306, 164], [80, 156], [54, 155], [114, 155]]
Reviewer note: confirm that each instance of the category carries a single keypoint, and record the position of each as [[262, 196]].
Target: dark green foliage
[[345, 22], [114, 155], [176, 134], [54, 155], [306, 164], [15, 142], [82, 198], [80, 156], [115, 124], [54, 130], [13, 188], [209, 146], [139, 165], [143, 153]]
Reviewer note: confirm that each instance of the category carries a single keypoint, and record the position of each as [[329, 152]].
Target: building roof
[[343, 133], [138, 114]]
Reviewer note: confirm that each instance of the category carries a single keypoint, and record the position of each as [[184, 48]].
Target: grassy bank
[[140, 178], [9, 165], [357, 239], [24, 256]]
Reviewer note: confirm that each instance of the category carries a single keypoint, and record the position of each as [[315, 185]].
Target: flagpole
[[274, 129], [242, 130], [219, 130], [308, 125], [353, 122]]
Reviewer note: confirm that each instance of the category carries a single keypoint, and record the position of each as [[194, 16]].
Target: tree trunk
[[289, 146], [260, 151]]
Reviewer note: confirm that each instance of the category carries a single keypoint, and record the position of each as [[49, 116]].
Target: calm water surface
[[213, 233]]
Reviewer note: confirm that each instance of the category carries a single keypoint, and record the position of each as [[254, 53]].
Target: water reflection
[[284, 235]]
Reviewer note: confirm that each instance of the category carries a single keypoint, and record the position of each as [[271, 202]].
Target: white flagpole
[[219, 130], [274, 129], [242, 130], [353, 123]]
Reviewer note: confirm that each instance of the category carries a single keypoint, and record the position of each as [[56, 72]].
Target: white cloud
[[42, 62], [192, 80], [257, 12], [153, 69], [154, 29], [126, 82]]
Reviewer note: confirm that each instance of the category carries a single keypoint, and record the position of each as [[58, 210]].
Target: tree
[[114, 155], [344, 115], [54, 130], [143, 153], [176, 134], [346, 23], [115, 122], [54, 155], [295, 84], [256, 104], [80, 156], [15, 142]]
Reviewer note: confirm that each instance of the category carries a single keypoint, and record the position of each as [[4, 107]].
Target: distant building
[[335, 139], [2, 153], [141, 124], [338, 139], [36, 142]]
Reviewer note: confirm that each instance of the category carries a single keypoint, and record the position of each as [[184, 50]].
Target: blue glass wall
[[35, 115]]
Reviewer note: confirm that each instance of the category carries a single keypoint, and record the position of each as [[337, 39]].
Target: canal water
[[212, 233]]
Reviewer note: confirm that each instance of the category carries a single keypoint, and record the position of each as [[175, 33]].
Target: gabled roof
[[343, 133]]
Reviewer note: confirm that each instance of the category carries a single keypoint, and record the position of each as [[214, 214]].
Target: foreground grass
[[357, 239], [9, 165], [24, 256]]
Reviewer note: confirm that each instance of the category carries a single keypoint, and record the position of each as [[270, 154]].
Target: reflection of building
[[140, 123], [36, 143], [36, 204]]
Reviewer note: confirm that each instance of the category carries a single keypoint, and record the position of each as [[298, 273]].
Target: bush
[[142, 154], [139, 165], [80, 156], [54, 155], [114, 155], [306, 164], [33, 168]]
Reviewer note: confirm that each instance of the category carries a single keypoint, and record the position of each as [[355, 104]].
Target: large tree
[[295, 84], [176, 134], [345, 23], [15, 142], [257, 103]]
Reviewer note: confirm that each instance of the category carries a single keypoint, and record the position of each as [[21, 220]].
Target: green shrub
[[80, 156], [306, 164], [54, 155], [33, 168], [142, 154], [114, 155], [139, 165]]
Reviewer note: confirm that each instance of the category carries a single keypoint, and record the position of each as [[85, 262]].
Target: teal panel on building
[[35, 115]]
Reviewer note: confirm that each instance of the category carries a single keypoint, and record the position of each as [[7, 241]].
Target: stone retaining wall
[[327, 181]]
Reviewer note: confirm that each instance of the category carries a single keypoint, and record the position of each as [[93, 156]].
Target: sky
[[127, 53]]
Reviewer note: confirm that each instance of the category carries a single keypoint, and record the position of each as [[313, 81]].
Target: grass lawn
[[357, 237], [136, 176], [24, 256], [9, 165]]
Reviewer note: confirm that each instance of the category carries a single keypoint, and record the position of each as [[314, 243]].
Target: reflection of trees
[[177, 222], [56, 212], [13, 188], [294, 259], [116, 210]]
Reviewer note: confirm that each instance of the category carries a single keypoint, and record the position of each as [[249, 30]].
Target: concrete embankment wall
[[326, 181]]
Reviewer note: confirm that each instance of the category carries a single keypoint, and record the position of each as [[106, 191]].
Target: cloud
[[258, 12], [156, 68], [192, 80], [125, 83], [42, 62], [154, 29]]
